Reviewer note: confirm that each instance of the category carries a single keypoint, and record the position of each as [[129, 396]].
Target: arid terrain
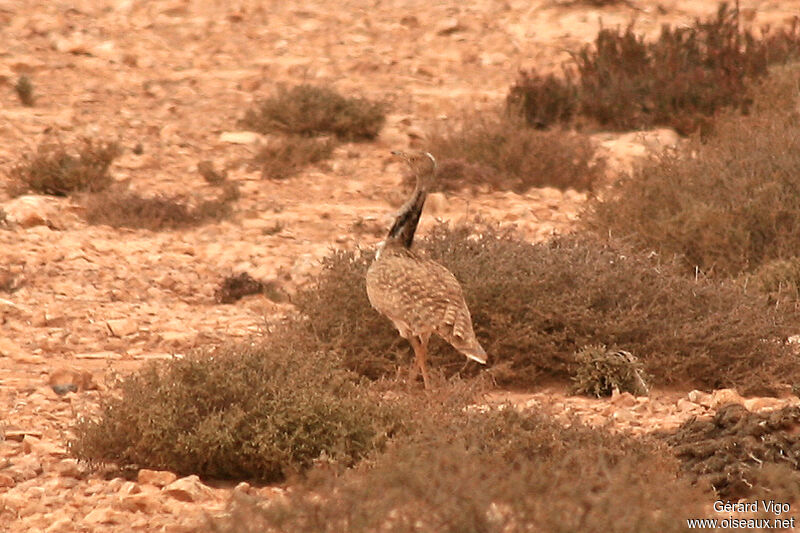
[[174, 77]]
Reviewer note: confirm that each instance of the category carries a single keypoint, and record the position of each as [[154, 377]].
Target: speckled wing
[[421, 296]]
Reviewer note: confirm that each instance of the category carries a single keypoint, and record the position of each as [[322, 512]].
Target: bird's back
[[422, 296]]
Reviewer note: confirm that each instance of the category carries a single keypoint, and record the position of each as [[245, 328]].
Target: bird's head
[[422, 165]]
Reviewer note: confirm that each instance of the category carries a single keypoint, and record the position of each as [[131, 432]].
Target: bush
[[54, 170], [496, 471], [731, 206], [681, 80], [533, 306], [742, 454], [125, 209], [600, 371], [502, 153], [308, 110], [259, 411], [286, 156]]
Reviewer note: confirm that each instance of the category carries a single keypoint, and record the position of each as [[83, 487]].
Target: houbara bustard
[[419, 295]]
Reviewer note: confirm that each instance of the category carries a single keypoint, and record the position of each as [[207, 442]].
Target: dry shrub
[[680, 80], [24, 90], [126, 209], [498, 471], [533, 306], [600, 371], [258, 411], [742, 454], [285, 156], [55, 170], [731, 206], [502, 153], [308, 110], [779, 279]]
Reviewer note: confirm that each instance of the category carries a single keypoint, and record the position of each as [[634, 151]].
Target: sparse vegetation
[[24, 89], [680, 80], [234, 288], [495, 471], [730, 207], [57, 171], [259, 411], [126, 209], [742, 454], [533, 306], [285, 156], [309, 110], [601, 371], [500, 152]]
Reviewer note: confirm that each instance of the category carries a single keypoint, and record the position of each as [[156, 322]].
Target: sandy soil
[[174, 76]]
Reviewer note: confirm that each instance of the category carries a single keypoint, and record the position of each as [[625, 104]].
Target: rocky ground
[[174, 77]]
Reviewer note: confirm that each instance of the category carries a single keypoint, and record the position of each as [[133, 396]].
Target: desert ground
[[174, 77]]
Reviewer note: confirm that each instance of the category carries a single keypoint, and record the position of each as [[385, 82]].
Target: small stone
[[188, 489], [68, 468], [700, 397], [725, 396], [25, 467], [240, 137], [65, 380], [61, 525], [448, 26], [685, 406], [121, 327], [103, 515], [158, 478], [141, 502], [624, 399], [6, 480], [755, 405]]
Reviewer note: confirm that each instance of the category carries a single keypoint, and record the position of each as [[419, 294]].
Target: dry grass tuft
[[285, 156], [309, 110], [125, 209], [500, 152], [57, 171], [681, 80]]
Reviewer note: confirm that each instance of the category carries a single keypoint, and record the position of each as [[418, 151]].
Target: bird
[[418, 295]]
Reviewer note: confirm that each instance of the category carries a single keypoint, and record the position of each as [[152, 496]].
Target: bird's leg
[[422, 354], [412, 372]]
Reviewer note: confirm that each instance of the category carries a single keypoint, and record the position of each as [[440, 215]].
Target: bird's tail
[[476, 353]]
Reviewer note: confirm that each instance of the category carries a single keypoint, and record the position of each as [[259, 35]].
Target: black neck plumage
[[405, 225]]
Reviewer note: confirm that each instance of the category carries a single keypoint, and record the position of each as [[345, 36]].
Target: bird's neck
[[405, 224]]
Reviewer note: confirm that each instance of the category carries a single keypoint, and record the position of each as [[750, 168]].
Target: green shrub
[[496, 471], [600, 371], [680, 80], [286, 156], [533, 306], [308, 110], [55, 170], [502, 153], [730, 206], [258, 411]]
